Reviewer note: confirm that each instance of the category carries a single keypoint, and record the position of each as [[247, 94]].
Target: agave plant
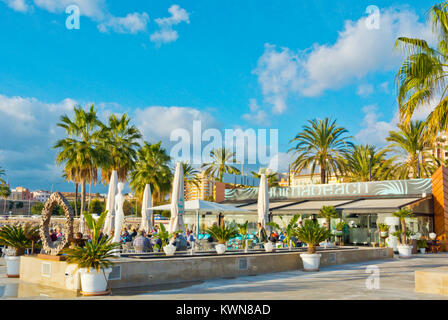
[[383, 227], [312, 234], [14, 237], [222, 234], [289, 229], [97, 252]]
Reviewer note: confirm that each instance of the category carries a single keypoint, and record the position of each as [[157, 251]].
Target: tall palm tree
[[152, 167], [321, 144], [366, 163], [191, 175], [222, 163], [272, 177], [120, 139], [2, 173], [5, 192], [81, 151], [422, 77], [409, 141]]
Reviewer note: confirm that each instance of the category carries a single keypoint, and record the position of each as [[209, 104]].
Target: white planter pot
[[432, 236], [422, 250], [339, 233], [384, 234], [169, 250], [94, 282], [269, 247], [220, 248], [12, 266], [404, 251], [311, 262]]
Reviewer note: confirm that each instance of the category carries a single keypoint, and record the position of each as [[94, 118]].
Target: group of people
[[275, 236], [141, 240], [55, 234]]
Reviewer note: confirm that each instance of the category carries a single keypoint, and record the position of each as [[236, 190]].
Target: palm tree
[[81, 151], [321, 144], [328, 213], [2, 173], [366, 163], [191, 175], [422, 77], [120, 140], [222, 160], [409, 142], [5, 192], [403, 214], [152, 167], [290, 228], [272, 177]]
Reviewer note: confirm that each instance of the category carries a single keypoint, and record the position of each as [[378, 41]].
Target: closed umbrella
[[263, 201], [177, 201], [110, 204], [146, 223]]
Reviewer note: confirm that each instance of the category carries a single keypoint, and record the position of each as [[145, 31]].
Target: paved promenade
[[337, 282]]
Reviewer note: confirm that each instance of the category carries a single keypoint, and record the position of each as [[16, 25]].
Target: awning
[[272, 205], [377, 205], [311, 206]]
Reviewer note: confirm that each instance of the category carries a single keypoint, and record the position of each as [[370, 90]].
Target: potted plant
[[422, 245], [165, 237], [290, 228], [13, 237], [384, 230], [339, 232], [223, 235], [242, 229], [312, 234], [404, 247], [93, 259]]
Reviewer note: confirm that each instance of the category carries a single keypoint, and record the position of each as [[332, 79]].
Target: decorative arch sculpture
[[49, 246]]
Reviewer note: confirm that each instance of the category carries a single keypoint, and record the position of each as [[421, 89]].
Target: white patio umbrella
[[177, 201], [263, 201], [146, 223], [110, 204]]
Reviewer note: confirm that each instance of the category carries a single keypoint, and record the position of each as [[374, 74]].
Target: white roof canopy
[[203, 206]]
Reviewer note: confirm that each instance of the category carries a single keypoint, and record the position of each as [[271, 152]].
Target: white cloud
[[90, 8], [357, 52], [375, 131], [132, 23], [164, 36], [17, 5], [364, 90], [280, 162], [256, 115], [158, 122], [166, 33]]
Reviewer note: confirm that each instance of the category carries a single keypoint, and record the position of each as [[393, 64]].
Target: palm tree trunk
[[4, 205], [322, 175], [403, 230], [76, 199], [83, 195]]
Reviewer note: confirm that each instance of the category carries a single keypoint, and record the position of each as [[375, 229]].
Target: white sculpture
[[119, 214]]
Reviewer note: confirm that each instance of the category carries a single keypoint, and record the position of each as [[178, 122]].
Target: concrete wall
[[147, 272]]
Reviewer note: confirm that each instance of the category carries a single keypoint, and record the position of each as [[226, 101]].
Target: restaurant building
[[362, 205]]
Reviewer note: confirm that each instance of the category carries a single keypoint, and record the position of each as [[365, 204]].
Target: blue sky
[[231, 64]]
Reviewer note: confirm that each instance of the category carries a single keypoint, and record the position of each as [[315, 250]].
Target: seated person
[[179, 241], [78, 241], [142, 243]]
